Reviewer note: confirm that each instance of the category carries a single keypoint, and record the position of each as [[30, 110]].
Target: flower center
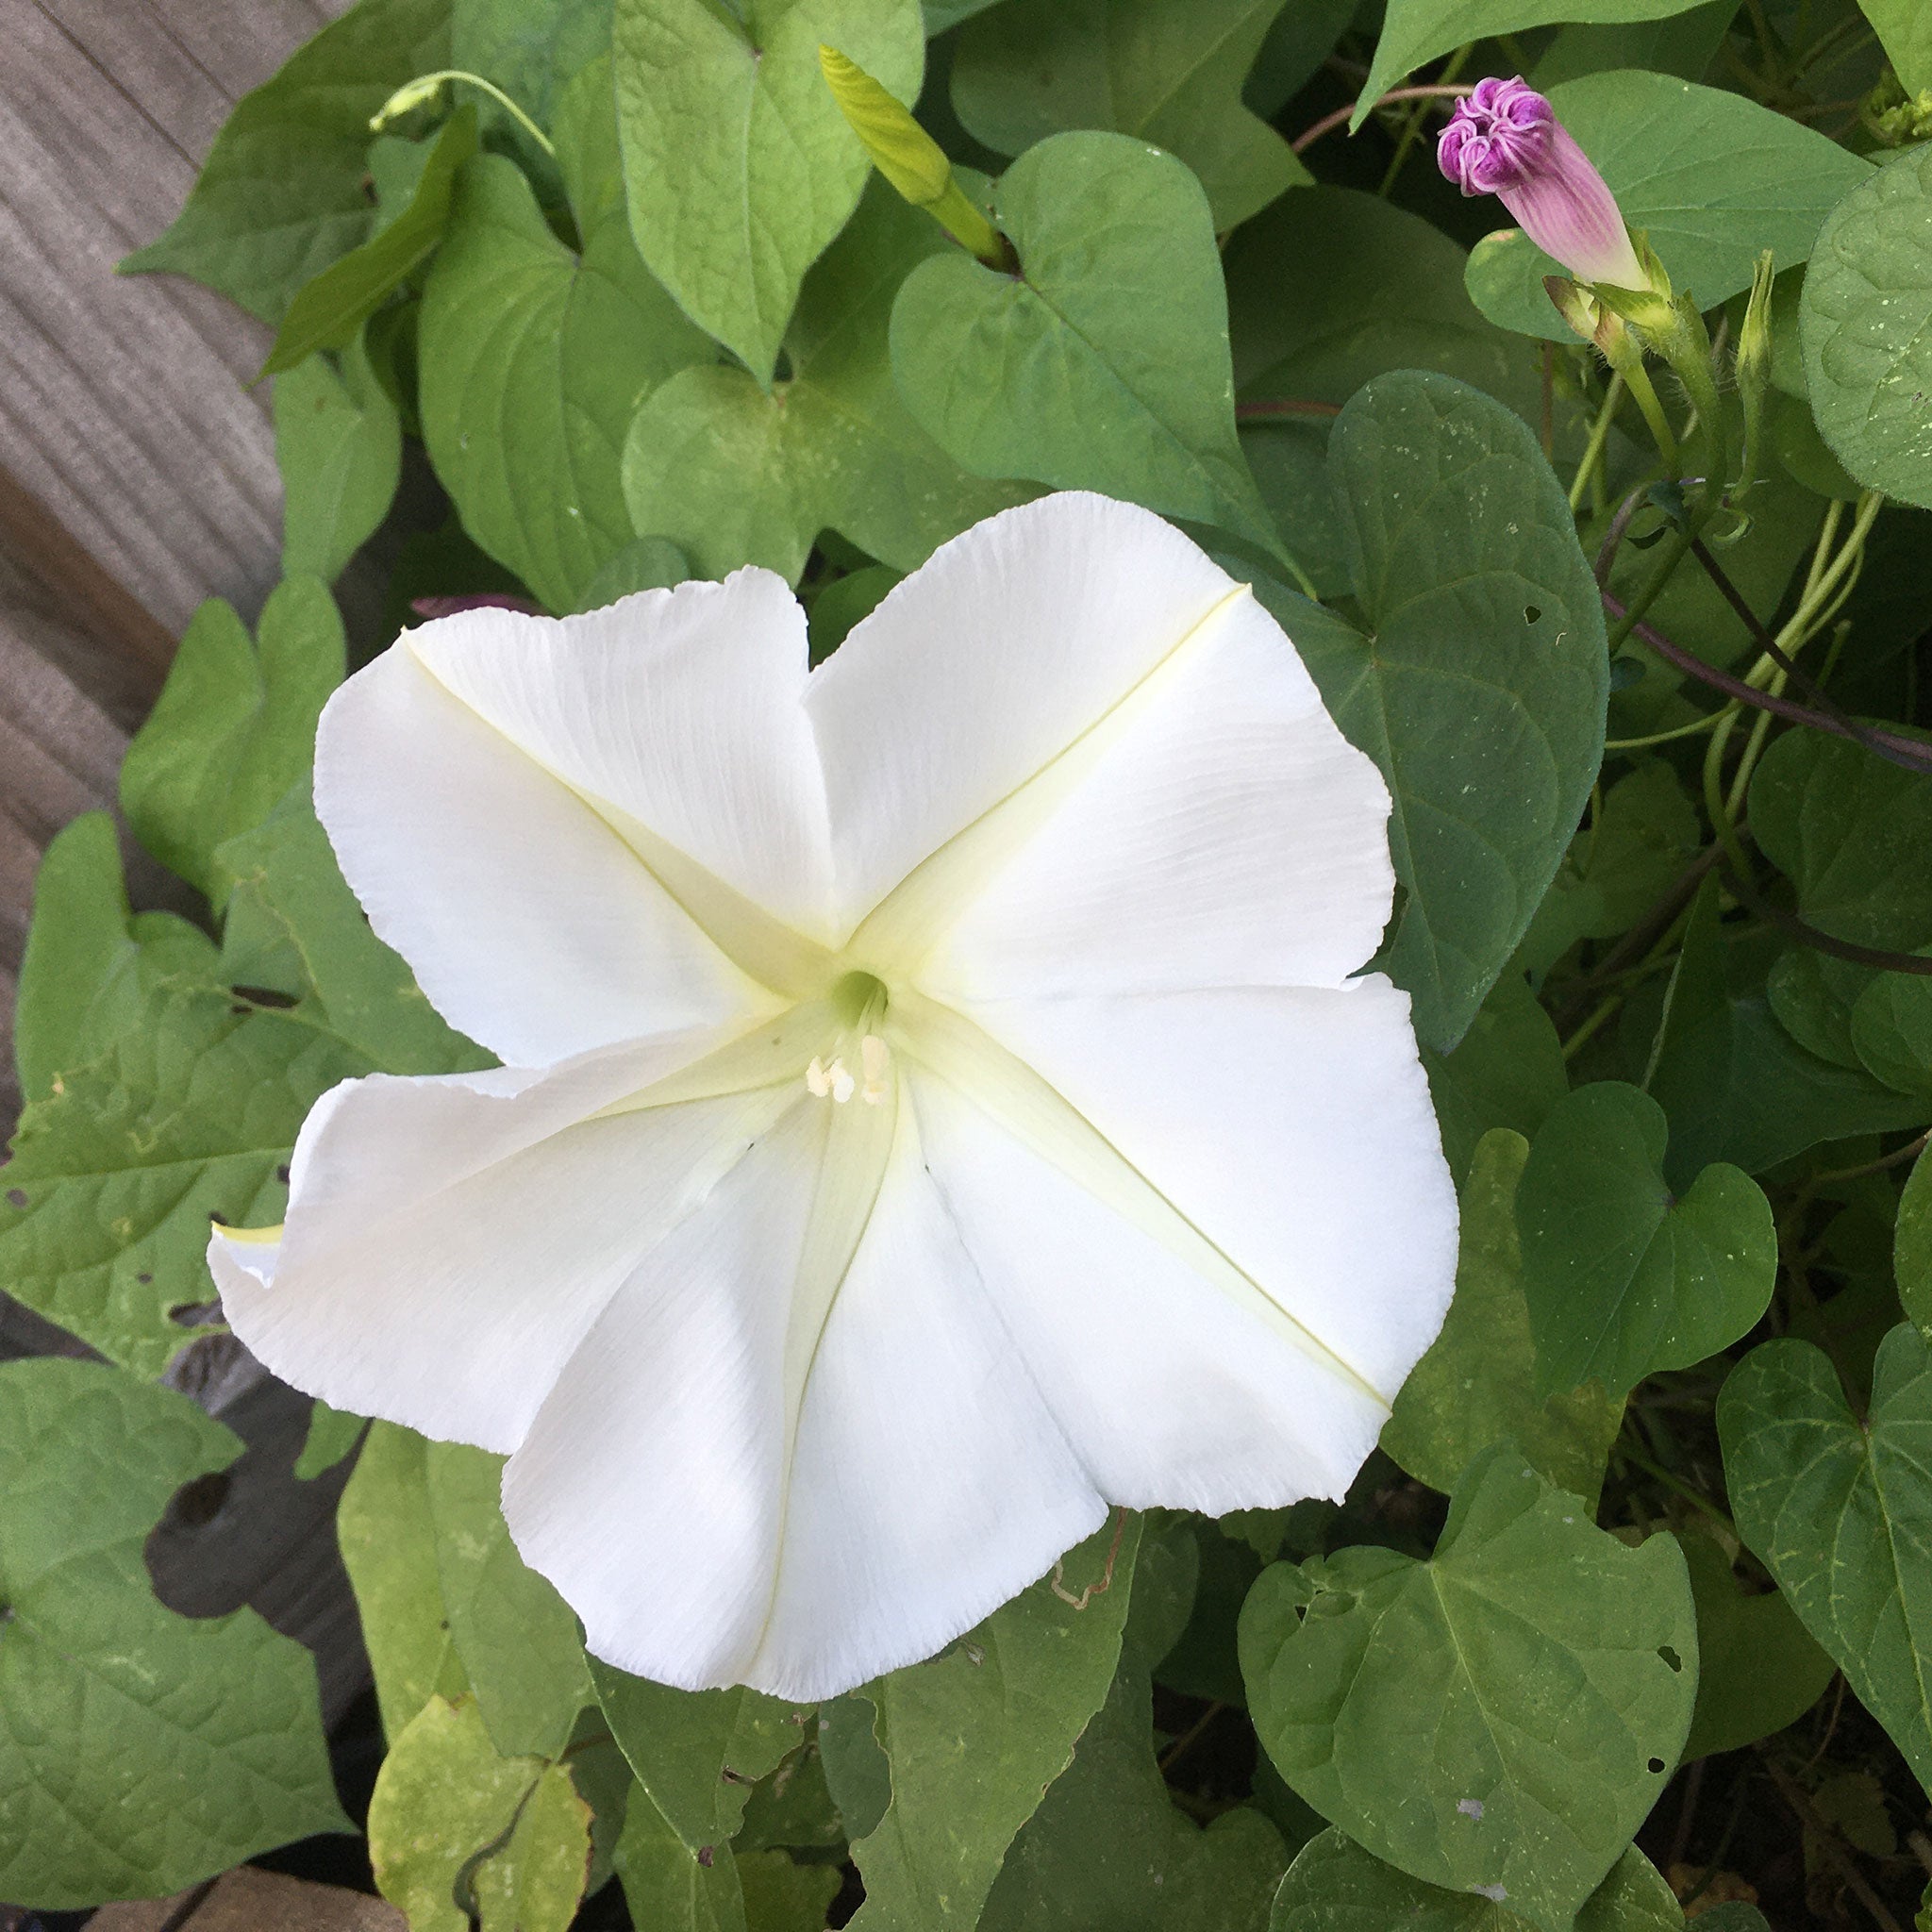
[[859, 999]]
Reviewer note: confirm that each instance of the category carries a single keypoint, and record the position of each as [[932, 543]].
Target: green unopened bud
[[1894, 117], [1752, 369], [412, 94], [910, 157]]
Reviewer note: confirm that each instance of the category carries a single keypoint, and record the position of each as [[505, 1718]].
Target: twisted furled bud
[[1505, 139]]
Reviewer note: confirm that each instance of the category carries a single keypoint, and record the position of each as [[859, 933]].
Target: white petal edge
[[1292, 1125], [450, 1239], [927, 1483], [1227, 834], [985, 664], [528, 922]]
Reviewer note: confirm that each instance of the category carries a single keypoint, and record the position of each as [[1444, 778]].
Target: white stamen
[[815, 1078], [877, 1061], [842, 1082]]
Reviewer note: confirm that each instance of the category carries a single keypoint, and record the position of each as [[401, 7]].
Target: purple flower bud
[[1505, 139]]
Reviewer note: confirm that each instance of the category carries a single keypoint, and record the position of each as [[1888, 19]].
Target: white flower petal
[[927, 1482], [1172, 1393], [1227, 835], [985, 665], [450, 1239], [530, 924], [1291, 1127]]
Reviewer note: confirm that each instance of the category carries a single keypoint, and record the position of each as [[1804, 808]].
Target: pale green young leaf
[[338, 446], [89, 960], [1904, 30], [1551, 1667], [190, 1113], [1508, 1071], [516, 1637], [281, 193], [1913, 1250], [140, 1751], [1415, 32], [1104, 363], [740, 165], [294, 927], [1623, 1277], [1166, 75], [457, 1831], [1480, 687], [697, 1752], [975, 1737], [332, 1433], [327, 311], [1758, 1670], [1865, 319], [1477, 1386], [233, 728], [668, 1884], [1840, 1511], [1334, 1886], [736, 473], [388, 1538], [1711, 176], [534, 1881], [534, 360]]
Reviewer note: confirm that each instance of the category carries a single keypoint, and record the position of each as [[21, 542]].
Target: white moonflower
[[936, 1103]]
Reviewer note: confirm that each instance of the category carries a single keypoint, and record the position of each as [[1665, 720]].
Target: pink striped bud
[[1505, 139]]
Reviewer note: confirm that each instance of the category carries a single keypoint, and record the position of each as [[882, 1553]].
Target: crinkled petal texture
[[1147, 1206]]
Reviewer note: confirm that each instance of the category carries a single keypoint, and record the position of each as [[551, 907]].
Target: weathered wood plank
[[252, 1901]]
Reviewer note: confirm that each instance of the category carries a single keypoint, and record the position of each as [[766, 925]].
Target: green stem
[[1599, 435], [1660, 1474], [425, 86], [1645, 396]]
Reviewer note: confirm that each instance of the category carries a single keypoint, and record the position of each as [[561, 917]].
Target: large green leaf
[[190, 1113], [1840, 1511], [338, 446], [1477, 1386], [529, 52], [697, 1752], [1712, 178], [1623, 1277], [281, 194], [388, 1539], [1107, 1847], [233, 728], [1507, 1071], [1414, 31], [1684, 44], [91, 963], [459, 1833], [1480, 684], [737, 474], [517, 1638], [1912, 1249], [1335, 1886], [739, 164], [1550, 1667], [1904, 29], [534, 361], [1169, 76], [1865, 319], [1737, 1086], [666, 1885], [327, 311], [294, 927], [976, 1736], [1758, 1670], [140, 1751], [1103, 364]]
